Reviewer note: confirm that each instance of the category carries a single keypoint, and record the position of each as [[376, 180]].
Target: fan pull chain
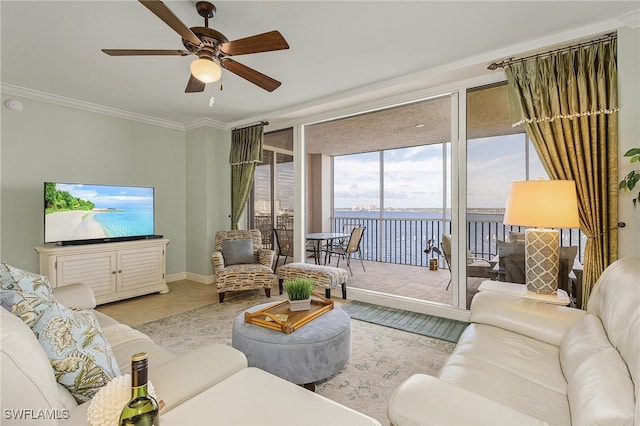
[[212, 100]]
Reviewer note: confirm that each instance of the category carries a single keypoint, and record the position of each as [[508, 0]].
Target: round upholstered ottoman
[[315, 351]]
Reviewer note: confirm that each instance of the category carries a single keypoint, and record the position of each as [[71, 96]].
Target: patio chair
[[353, 246], [476, 267], [340, 243], [240, 262], [511, 262], [284, 244]]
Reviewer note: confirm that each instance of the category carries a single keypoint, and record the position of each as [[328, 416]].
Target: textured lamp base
[[542, 260]]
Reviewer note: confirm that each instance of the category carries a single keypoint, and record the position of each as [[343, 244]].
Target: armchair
[[476, 267], [240, 262]]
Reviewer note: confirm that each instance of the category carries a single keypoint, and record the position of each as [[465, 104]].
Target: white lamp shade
[[206, 70], [543, 203]]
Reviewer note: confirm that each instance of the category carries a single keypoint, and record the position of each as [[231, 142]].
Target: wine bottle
[[142, 409]]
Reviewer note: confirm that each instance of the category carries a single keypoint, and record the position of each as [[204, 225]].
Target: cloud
[[413, 176]]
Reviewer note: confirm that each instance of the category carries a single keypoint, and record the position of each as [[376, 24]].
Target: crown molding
[[631, 19], [206, 122], [87, 106]]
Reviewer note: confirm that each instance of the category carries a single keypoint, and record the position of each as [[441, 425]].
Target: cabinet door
[[140, 267], [97, 270]]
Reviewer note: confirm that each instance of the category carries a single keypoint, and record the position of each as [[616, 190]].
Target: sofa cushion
[[601, 391], [237, 252], [80, 355], [126, 341], [27, 377], [615, 300], [512, 369], [585, 338]]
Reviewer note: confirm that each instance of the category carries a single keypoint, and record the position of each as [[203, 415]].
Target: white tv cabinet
[[115, 271]]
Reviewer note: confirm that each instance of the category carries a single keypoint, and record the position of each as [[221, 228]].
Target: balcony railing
[[265, 225], [403, 241]]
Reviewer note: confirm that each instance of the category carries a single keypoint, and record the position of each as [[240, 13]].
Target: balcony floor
[[417, 282]]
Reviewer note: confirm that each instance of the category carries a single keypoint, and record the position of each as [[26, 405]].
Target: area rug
[[381, 357], [413, 322]]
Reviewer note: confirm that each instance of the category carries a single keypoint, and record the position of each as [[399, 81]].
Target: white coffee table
[[255, 397], [520, 290]]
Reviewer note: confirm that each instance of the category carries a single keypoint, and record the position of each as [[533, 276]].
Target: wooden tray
[[268, 317]]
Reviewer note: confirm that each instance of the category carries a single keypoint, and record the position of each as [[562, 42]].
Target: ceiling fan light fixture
[[206, 70]]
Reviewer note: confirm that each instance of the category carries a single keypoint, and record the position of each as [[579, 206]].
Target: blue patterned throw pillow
[[77, 348], [35, 284]]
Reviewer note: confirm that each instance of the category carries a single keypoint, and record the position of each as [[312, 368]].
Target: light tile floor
[[410, 281]]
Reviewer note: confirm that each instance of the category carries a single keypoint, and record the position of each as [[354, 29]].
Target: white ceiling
[[338, 50]]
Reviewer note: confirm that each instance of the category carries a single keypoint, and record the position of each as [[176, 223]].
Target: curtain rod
[[260, 123], [507, 62]]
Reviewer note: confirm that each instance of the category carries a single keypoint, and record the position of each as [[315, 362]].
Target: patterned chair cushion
[[77, 348], [322, 275], [236, 252]]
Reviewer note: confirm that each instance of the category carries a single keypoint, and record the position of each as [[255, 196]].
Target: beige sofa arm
[[77, 295], [541, 321], [427, 400], [191, 373]]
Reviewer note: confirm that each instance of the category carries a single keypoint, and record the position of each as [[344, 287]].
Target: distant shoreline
[[492, 211]]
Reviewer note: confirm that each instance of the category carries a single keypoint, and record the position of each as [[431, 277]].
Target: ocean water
[[126, 223]]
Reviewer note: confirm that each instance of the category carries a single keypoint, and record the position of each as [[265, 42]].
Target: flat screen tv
[[86, 213]]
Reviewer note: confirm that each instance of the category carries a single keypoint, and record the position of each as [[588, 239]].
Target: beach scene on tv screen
[[82, 212]]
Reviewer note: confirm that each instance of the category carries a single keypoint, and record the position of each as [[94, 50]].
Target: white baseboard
[[176, 277], [202, 279]]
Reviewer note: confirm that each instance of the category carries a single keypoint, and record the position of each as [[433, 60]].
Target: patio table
[[318, 237]]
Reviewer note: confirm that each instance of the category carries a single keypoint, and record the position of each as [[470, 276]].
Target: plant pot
[[299, 305]]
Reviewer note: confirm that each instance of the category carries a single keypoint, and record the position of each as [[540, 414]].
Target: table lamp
[[542, 204]]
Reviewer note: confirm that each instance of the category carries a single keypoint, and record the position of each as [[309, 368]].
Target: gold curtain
[[246, 152], [568, 101]]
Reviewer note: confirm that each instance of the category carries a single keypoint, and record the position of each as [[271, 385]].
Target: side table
[[520, 290]]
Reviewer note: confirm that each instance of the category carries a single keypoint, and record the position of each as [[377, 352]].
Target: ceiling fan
[[212, 48]]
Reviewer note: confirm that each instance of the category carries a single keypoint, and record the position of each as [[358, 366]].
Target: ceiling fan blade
[[249, 74], [265, 42], [162, 11], [194, 85], [138, 52]]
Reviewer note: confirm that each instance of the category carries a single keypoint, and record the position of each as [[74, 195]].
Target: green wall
[[208, 196], [48, 142]]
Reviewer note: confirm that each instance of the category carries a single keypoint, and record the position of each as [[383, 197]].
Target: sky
[[414, 176], [110, 196]]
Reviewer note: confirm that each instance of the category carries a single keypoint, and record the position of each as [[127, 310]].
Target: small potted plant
[[299, 292]]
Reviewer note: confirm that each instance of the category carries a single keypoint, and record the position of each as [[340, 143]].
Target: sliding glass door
[[272, 199], [390, 172]]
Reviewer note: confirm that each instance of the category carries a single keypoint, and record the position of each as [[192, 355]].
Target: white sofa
[[522, 362], [30, 390]]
